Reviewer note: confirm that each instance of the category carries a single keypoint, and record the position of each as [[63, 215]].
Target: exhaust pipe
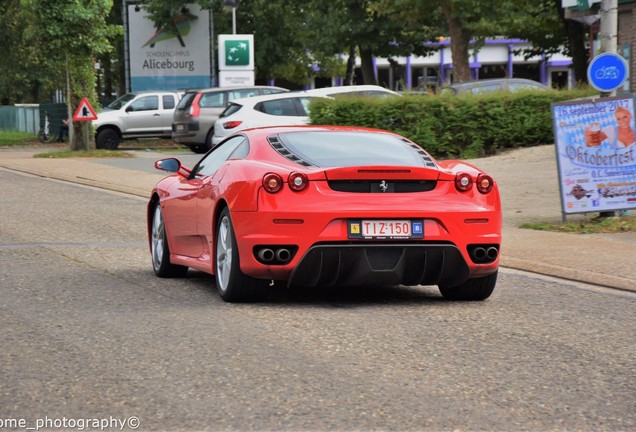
[[492, 253], [265, 255], [479, 253], [283, 255]]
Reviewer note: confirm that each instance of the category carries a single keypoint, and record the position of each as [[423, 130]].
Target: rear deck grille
[[375, 186], [283, 151]]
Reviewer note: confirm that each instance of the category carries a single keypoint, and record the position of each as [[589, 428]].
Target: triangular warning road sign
[[84, 112]]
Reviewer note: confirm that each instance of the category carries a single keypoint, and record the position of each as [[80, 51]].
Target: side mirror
[[169, 164]]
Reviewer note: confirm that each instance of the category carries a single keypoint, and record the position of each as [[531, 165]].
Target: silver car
[[135, 115], [194, 118]]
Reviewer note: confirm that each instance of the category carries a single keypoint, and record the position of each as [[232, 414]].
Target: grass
[[12, 139], [597, 225], [17, 139]]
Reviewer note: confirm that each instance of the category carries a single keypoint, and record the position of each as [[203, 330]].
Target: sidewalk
[[527, 179]]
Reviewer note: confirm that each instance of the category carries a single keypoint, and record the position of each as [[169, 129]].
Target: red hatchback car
[[325, 206]]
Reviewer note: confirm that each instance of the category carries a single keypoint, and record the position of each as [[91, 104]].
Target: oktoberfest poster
[[596, 154]]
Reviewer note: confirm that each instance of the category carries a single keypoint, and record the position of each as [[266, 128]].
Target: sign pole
[[609, 30], [86, 146], [609, 34]]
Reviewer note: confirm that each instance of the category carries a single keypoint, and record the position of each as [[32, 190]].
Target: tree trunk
[[79, 132], [74, 134], [351, 66], [460, 39], [368, 71]]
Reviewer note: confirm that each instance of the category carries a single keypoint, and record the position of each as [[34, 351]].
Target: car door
[[166, 112], [196, 201], [144, 115], [188, 210]]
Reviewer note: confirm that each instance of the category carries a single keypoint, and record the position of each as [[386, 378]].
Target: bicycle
[[46, 134]]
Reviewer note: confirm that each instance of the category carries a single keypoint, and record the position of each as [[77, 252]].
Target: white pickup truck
[[136, 115]]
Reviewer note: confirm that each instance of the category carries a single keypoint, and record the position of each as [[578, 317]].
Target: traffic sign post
[[85, 113], [607, 72]]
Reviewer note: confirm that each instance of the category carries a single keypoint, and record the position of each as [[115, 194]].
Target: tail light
[[272, 182], [463, 182], [485, 183], [297, 181], [231, 124], [195, 108]]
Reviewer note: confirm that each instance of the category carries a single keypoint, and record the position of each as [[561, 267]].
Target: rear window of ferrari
[[341, 149]]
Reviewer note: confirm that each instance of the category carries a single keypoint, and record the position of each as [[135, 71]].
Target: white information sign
[[236, 60], [236, 78], [596, 154], [174, 57]]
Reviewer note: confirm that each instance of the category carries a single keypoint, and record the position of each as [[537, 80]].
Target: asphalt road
[[87, 332]]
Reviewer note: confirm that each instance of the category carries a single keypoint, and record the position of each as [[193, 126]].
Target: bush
[[454, 126]]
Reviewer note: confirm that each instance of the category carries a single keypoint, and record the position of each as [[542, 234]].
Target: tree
[[25, 70], [543, 24], [355, 27], [467, 22], [74, 33], [298, 39]]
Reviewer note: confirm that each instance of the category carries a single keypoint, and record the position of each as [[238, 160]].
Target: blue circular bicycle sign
[[607, 72]]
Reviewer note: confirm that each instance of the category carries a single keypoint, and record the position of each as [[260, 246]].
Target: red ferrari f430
[[326, 206]]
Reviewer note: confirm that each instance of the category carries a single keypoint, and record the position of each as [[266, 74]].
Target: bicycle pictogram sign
[[607, 72]]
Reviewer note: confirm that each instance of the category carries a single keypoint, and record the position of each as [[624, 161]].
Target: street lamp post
[[233, 4]]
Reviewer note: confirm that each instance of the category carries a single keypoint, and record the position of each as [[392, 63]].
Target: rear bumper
[[326, 256], [315, 224], [189, 133], [381, 264]]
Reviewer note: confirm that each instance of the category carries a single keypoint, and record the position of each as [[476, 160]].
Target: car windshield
[[121, 101], [342, 149]]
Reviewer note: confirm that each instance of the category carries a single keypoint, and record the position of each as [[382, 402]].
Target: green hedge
[[454, 126]]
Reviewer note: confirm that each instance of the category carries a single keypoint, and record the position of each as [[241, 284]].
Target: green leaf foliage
[[453, 126], [73, 33]]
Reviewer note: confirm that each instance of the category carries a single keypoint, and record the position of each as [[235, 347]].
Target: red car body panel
[[318, 215]]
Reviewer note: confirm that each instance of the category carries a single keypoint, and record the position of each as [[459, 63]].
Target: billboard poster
[[174, 57], [596, 154]]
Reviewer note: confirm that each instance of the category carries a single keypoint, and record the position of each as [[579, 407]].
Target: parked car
[[494, 85], [321, 206], [356, 90], [198, 110], [270, 110], [135, 115]]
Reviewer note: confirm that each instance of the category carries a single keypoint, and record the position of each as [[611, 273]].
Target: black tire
[[208, 139], [472, 290], [198, 148], [107, 139], [159, 250], [233, 285]]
